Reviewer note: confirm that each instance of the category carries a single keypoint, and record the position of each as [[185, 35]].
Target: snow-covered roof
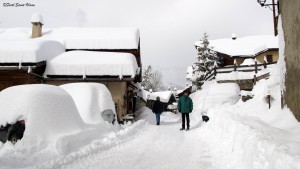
[[28, 50], [82, 38], [37, 18], [93, 63], [250, 61], [95, 38], [143, 94], [246, 46], [164, 96]]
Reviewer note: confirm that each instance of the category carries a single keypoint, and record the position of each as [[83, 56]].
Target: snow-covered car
[[93, 101], [37, 114]]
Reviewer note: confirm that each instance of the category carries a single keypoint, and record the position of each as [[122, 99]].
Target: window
[[269, 58]]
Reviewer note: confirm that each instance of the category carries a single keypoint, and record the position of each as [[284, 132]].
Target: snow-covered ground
[[239, 135]]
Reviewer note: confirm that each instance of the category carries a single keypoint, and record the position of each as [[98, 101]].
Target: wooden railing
[[242, 68]]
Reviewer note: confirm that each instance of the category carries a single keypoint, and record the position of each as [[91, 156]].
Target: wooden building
[[33, 51], [236, 50]]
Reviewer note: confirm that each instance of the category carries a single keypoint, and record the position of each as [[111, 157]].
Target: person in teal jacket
[[185, 107]]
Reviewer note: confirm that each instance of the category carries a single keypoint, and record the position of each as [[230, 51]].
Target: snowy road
[[153, 147]]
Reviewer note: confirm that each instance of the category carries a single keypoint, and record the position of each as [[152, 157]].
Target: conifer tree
[[206, 60]]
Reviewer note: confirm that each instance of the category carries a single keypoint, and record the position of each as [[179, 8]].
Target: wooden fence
[[241, 68]]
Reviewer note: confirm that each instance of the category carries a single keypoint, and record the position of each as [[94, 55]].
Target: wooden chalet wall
[[10, 78]]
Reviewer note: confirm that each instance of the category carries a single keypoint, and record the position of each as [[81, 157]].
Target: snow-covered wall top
[[93, 63], [28, 50], [246, 46], [82, 38]]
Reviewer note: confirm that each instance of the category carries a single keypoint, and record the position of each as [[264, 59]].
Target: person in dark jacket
[[185, 107], [157, 108]]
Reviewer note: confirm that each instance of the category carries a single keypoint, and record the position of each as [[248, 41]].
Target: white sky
[[168, 28]]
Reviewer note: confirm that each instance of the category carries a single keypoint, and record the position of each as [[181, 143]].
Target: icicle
[[235, 61], [84, 73], [29, 69], [265, 59], [215, 64], [20, 62]]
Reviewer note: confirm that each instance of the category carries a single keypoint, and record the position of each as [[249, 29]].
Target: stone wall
[[290, 12]]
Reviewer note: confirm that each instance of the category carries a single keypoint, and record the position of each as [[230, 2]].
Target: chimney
[[233, 36], [37, 23]]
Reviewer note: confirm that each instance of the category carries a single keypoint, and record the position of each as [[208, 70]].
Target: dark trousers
[[187, 116]]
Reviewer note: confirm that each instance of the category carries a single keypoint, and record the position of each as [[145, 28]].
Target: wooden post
[[254, 79], [269, 100], [215, 71], [255, 66], [234, 69]]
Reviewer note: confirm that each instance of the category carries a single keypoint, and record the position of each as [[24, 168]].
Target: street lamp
[[275, 18], [263, 3]]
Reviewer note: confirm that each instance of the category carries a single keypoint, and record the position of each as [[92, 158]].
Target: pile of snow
[[85, 63], [30, 51], [92, 99], [215, 95], [95, 38], [49, 112], [246, 46], [248, 134], [164, 96]]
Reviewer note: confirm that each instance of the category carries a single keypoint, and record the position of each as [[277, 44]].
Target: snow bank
[[214, 95], [30, 51], [91, 100], [246, 46], [95, 38], [249, 135], [92, 63]]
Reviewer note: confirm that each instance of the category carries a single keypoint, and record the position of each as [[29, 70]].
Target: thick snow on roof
[[36, 18], [82, 38], [95, 38], [15, 33], [91, 100], [164, 96], [246, 46], [28, 50], [250, 61], [93, 63], [49, 111]]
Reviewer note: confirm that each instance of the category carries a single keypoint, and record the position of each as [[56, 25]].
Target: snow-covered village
[[162, 84]]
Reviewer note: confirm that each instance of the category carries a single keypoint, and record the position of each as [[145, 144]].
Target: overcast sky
[[168, 28]]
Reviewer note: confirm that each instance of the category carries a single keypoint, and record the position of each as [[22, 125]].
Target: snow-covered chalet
[[110, 56], [236, 50]]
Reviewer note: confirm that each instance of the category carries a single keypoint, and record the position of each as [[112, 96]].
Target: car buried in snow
[[37, 113], [93, 101]]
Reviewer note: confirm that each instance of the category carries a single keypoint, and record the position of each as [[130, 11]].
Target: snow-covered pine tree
[[206, 60]]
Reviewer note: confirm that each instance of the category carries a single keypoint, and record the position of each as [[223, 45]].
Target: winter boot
[[182, 128]]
